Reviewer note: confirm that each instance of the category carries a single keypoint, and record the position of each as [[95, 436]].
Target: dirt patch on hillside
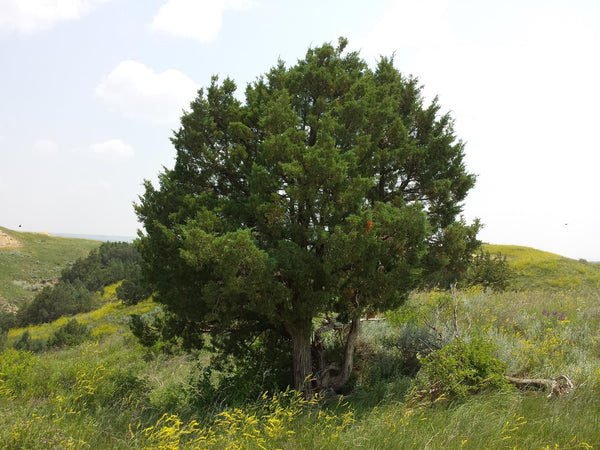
[[7, 241], [6, 306]]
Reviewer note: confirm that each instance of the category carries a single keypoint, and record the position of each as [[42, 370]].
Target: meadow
[[110, 392]]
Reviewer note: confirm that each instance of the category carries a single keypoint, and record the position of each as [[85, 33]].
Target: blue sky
[[91, 90]]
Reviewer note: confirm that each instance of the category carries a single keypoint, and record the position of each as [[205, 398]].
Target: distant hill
[[97, 237], [536, 269], [30, 261]]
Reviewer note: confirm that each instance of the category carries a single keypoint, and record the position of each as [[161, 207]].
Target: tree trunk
[[302, 360], [343, 376], [306, 361]]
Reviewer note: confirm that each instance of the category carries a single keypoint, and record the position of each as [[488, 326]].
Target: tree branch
[[558, 385]]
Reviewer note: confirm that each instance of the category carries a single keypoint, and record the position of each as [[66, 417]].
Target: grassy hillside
[[110, 392], [37, 261], [535, 269]]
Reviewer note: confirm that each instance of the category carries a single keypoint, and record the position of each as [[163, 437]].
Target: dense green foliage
[[27, 343], [55, 301], [70, 334], [108, 264], [489, 271], [333, 190], [459, 369], [133, 289]]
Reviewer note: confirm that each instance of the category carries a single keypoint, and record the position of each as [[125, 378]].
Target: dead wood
[[558, 385]]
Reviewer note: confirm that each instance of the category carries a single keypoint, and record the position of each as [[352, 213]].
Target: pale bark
[[557, 385], [342, 378], [310, 370], [331, 383]]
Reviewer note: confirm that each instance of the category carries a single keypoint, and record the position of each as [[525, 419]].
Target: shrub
[[120, 387], [19, 373], [70, 334], [53, 302], [460, 369], [488, 271], [145, 334], [27, 344], [7, 321], [410, 342], [110, 263], [236, 380], [133, 290]]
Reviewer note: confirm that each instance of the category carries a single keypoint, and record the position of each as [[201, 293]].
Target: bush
[[133, 290], [410, 342], [145, 334], [460, 369], [70, 334], [8, 320], [22, 376], [121, 387], [53, 302], [230, 380], [110, 263], [488, 271], [27, 344]]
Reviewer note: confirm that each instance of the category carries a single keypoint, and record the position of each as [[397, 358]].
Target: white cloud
[[195, 19], [44, 147], [136, 91], [113, 149], [30, 16]]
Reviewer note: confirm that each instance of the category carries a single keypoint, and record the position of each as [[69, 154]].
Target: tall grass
[[109, 392], [538, 270]]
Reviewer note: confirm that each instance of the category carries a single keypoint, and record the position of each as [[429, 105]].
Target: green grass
[[535, 269], [110, 392], [39, 261], [110, 317]]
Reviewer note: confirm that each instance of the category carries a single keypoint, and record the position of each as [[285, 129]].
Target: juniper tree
[[332, 190]]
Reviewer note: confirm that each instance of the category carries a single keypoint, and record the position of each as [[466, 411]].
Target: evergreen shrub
[[461, 368]]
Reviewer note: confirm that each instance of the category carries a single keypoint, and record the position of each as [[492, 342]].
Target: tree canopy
[[332, 190]]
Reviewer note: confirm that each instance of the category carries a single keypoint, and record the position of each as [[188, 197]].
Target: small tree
[[133, 290], [50, 303], [490, 271], [70, 334], [331, 191]]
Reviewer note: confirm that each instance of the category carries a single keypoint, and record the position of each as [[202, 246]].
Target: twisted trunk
[[309, 368], [342, 378], [333, 383]]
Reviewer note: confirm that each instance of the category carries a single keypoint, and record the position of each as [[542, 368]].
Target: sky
[[91, 91]]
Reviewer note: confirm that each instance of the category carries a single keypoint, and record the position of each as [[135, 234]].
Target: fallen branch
[[558, 385], [372, 319]]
